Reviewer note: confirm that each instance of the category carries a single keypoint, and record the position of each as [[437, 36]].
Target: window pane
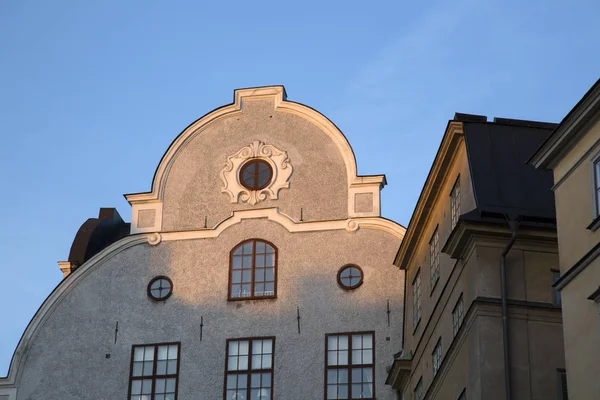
[[356, 341], [257, 346], [138, 354], [332, 392], [357, 375], [147, 368], [269, 249], [146, 386], [268, 346], [256, 362], [232, 363], [260, 247], [259, 261], [343, 342], [236, 262], [245, 290], [255, 381], [367, 356], [231, 381], [332, 358], [332, 376], [233, 348], [242, 381], [259, 275], [171, 385], [137, 368], [248, 248], [160, 386], [149, 353], [136, 387], [236, 290], [343, 357], [357, 391], [172, 367], [243, 347], [367, 341], [266, 380], [161, 367], [243, 362], [236, 276], [342, 376], [342, 392], [270, 274], [332, 343], [247, 262], [269, 289], [266, 361], [247, 276], [356, 357], [162, 352], [259, 289], [270, 260]]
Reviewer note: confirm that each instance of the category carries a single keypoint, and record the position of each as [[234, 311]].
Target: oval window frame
[[346, 287], [246, 165], [149, 288]]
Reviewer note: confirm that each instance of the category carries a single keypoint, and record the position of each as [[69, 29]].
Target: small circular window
[[350, 276], [160, 288], [256, 174]]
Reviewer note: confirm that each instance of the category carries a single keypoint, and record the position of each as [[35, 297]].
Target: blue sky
[[93, 92]]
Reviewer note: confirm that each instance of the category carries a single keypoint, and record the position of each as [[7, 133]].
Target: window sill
[[594, 225]]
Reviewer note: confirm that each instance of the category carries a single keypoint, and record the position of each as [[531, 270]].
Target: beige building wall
[[575, 209]]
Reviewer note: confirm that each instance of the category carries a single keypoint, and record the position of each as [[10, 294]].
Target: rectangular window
[[436, 357], [455, 203], [458, 314], [350, 365], [416, 297], [434, 259], [418, 393], [249, 370], [154, 371], [556, 300], [563, 393], [597, 184]]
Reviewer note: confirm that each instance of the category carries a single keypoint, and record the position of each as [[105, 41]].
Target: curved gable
[[190, 186]]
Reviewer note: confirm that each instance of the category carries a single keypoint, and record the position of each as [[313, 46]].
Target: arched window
[[253, 270]]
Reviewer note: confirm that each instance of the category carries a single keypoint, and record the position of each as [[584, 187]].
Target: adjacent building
[[572, 152], [482, 320], [257, 267]]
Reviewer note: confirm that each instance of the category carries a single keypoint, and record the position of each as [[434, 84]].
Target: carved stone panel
[[276, 158]]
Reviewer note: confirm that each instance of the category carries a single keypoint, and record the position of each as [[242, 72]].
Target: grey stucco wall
[[319, 183], [67, 358]]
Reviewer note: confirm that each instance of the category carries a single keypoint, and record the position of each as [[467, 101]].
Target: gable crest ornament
[[247, 183]]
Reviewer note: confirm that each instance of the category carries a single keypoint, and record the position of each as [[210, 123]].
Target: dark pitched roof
[[503, 183], [96, 234]]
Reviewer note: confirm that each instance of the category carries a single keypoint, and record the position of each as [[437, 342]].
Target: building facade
[[257, 267], [573, 154], [482, 211]]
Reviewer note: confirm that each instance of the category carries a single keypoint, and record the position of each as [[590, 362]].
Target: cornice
[[437, 175]]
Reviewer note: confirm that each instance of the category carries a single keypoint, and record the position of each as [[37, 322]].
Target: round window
[[160, 288], [350, 276], [256, 174]]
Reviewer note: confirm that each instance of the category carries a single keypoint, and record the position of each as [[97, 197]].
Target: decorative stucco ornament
[[277, 159]]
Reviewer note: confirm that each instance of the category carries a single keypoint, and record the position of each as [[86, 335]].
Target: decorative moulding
[[277, 159]]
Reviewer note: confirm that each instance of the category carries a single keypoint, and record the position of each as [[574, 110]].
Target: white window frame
[[596, 184], [455, 203], [434, 259], [418, 392], [458, 315], [416, 298], [436, 357]]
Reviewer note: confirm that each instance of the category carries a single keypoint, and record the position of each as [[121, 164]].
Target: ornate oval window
[[160, 288], [350, 276], [256, 174]]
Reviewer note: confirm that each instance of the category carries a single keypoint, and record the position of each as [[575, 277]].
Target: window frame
[[454, 200], [249, 371], [149, 290], [461, 317], [349, 366], [434, 355], [154, 376], [418, 387], [420, 292], [434, 254], [342, 269], [556, 297], [253, 268], [255, 161]]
